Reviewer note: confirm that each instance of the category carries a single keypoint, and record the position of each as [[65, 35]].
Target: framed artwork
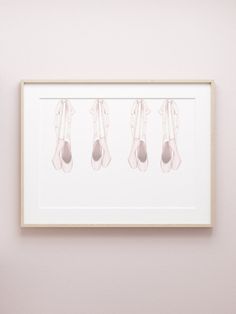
[[117, 153]]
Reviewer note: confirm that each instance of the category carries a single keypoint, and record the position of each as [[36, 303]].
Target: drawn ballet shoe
[[166, 157], [66, 157], [100, 153], [97, 155], [170, 157], [138, 157], [62, 158], [142, 156]]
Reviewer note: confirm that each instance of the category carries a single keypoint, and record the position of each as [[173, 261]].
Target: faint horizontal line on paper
[[119, 208], [109, 98]]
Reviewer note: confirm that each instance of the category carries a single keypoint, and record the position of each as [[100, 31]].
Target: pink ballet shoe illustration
[[138, 157], [62, 158], [100, 153], [170, 157]]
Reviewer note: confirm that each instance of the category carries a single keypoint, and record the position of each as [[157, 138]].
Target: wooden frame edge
[[212, 175], [22, 153], [115, 81], [213, 160], [117, 225]]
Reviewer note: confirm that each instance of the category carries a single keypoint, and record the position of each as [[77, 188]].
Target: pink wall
[[120, 271]]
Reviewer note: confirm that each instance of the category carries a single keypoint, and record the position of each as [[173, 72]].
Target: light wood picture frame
[[117, 153]]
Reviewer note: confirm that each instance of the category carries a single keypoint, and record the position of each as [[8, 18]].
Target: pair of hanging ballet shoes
[[170, 158], [63, 157]]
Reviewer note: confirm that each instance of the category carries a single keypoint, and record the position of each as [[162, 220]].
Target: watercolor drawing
[[100, 156]]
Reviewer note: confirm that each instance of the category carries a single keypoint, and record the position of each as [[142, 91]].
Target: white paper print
[[170, 158], [62, 158], [100, 152], [138, 157]]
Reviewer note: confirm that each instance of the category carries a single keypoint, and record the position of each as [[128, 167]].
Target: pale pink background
[[120, 271]]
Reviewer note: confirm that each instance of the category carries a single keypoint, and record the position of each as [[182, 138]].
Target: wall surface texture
[[118, 271]]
